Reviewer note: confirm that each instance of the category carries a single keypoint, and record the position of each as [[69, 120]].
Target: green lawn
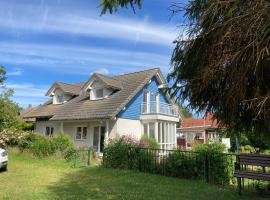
[[32, 178]]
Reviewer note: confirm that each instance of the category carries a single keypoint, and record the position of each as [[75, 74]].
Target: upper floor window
[[58, 97], [99, 93], [61, 98]]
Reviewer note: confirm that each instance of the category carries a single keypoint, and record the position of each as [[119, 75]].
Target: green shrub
[[27, 140], [44, 146], [184, 165], [69, 154], [142, 159], [218, 165], [247, 149], [10, 137], [23, 126], [64, 144], [39, 145], [149, 142], [116, 152]]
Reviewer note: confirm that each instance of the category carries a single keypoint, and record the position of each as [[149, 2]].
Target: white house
[[104, 107]]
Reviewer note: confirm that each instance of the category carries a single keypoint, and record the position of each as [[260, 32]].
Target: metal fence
[[213, 168]]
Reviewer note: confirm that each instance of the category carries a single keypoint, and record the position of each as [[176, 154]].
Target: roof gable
[[109, 82], [73, 89]]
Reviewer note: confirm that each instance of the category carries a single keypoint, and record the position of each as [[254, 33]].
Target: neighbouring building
[[198, 130], [105, 107]]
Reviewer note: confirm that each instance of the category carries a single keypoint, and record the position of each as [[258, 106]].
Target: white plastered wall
[[41, 126], [127, 127], [69, 127]]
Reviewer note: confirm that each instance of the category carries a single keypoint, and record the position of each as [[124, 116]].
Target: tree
[[8, 109], [222, 66], [112, 5], [2, 75]]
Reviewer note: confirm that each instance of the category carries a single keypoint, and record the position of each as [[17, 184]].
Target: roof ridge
[[156, 68], [73, 84]]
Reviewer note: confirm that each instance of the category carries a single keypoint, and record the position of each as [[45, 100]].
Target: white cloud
[[103, 71], [78, 59], [16, 72], [47, 20]]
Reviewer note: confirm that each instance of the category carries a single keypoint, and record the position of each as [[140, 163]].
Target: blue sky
[[47, 40]]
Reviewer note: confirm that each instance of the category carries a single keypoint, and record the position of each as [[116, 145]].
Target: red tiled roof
[[195, 123]]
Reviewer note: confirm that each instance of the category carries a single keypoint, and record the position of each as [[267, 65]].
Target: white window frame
[[157, 102], [147, 126], [166, 131], [81, 138], [146, 101]]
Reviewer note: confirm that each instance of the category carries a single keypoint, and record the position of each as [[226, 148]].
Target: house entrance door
[[98, 140]]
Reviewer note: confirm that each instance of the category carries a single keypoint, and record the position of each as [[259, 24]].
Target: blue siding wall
[[133, 109]]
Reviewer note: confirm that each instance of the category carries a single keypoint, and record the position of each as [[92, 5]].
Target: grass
[[32, 178]]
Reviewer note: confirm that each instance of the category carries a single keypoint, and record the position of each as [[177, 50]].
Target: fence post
[[89, 156], [75, 162]]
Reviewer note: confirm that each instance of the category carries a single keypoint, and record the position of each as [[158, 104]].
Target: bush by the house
[[116, 152], [60, 145], [207, 161], [10, 137], [219, 166], [247, 149], [149, 142], [184, 165], [44, 146], [23, 126]]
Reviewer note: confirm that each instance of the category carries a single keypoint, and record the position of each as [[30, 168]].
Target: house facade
[[196, 130], [105, 107]]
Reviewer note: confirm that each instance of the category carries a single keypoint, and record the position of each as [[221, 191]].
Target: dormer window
[[58, 97], [61, 98], [101, 87], [99, 93]]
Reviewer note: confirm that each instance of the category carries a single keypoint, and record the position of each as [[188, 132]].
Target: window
[[146, 96], [81, 133], [152, 130], [159, 132], [149, 129], [198, 136], [166, 135], [99, 93], [49, 131], [146, 101], [145, 129], [157, 102], [61, 98]]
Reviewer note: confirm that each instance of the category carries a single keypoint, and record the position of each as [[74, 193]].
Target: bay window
[[163, 132]]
